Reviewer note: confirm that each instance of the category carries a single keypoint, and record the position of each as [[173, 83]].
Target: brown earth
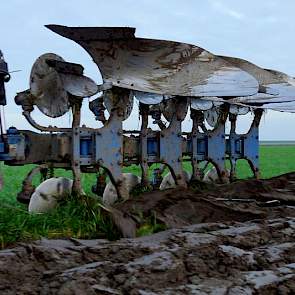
[[215, 245], [239, 201]]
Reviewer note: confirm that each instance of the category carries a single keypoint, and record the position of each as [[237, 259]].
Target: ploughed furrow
[[252, 257]]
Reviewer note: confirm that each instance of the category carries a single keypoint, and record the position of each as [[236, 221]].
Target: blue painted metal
[[105, 146], [12, 146], [13, 136], [2, 148], [85, 146], [244, 146], [202, 147], [171, 141], [208, 145], [153, 147]]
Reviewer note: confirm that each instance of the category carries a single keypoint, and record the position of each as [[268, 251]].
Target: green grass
[[74, 218], [84, 219]]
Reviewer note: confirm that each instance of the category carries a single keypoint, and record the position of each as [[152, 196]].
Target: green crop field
[[83, 218]]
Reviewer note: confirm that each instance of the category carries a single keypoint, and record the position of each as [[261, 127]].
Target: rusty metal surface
[[65, 67], [95, 33], [47, 87], [160, 66], [52, 80], [174, 107], [42, 148], [173, 68], [120, 100]]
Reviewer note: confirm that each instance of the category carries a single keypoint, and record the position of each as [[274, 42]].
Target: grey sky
[[260, 31]]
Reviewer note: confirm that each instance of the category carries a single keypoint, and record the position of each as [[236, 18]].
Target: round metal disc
[[217, 103], [80, 86], [46, 85], [124, 102], [211, 116], [148, 98], [166, 97], [238, 110], [200, 104]]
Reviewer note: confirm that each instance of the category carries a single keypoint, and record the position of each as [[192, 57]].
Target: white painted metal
[[46, 86], [80, 86], [200, 104], [159, 66], [148, 98], [238, 110]]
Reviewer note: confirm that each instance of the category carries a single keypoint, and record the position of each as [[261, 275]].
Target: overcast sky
[[261, 31]]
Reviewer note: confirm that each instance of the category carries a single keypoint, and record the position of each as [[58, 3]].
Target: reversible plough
[[169, 80]]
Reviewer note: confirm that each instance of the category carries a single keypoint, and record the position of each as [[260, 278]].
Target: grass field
[[84, 219]]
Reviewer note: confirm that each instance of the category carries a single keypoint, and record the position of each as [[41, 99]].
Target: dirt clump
[[240, 201], [208, 258], [226, 239]]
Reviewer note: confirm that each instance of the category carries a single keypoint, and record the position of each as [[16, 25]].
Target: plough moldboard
[[169, 80]]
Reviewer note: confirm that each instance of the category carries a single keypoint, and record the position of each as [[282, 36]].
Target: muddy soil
[[240, 201], [215, 244]]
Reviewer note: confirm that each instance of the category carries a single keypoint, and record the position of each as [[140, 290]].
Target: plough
[[168, 80]]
